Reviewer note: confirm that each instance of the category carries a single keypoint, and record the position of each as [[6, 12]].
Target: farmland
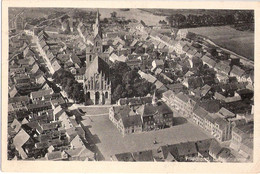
[[132, 14], [186, 12], [240, 42]]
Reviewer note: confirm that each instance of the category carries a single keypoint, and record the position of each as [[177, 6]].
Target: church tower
[[96, 26], [97, 84], [97, 48]]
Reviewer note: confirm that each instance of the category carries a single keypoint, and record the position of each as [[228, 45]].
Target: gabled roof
[[208, 61], [25, 99], [57, 155], [222, 123], [168, 94], [223, 112], [143, 156], [205, 89], [16, 125], [47, 126], [222, 66], [203, 145], [74, 152], [20, 139], [13, 92], [182, 97], [41, 93], [135, 100], [75, 59], [187, 148], [158, 62], [149, 109], [131, 120], [199, 111], [98, 66], [214, 148], [224, 154], [124, 157], [237, 71], [55, 65], [35, 68], [77, 142]]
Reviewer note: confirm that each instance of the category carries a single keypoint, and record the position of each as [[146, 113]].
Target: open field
[[240, 42], [33, 12], [186, 12], [106, 135], [137, 14]]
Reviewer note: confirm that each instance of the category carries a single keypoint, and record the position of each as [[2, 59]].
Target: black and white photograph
[[131, 84]]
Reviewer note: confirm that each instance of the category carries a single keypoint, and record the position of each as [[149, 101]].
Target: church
[[97, 85]]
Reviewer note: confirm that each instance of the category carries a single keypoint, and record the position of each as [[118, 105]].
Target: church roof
[[96, 67]]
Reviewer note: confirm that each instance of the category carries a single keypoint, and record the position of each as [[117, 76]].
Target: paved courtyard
[[109, 141]]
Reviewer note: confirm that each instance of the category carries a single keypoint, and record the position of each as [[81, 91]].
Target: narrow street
[[43, 54]]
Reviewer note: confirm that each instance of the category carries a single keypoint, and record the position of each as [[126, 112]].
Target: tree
[[105, 20], [213, 51], [113, 14], [77, 93], [179, 20], [162, 22], [229, 19], [117, 94], [169, 19]]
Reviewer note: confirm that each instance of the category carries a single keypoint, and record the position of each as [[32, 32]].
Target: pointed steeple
[[154, 100], [96, 26], [97, 18]]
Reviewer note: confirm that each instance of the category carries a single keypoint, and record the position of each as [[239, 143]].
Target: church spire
[[154, 99], [97, 18], [96, 26]]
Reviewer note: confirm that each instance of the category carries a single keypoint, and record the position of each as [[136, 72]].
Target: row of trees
[[126, 82], [68, 83], [180, 21]]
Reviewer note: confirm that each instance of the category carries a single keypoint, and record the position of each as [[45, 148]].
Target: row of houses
[[207, 150], [222, 125], [226, 69]]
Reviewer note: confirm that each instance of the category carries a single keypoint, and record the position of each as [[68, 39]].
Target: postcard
[[127, 86]]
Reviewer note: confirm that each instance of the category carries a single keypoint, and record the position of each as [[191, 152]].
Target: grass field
[[240, 42]]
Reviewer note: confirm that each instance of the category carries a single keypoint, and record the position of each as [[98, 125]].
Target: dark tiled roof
[[124, 157], [97, 66], [237, 71], [75, 59], [187, 148], [199, 111], [143, 156], [203, 145], [41, 93], [214, 148], [131, 120], [19, 99], [135, 100]]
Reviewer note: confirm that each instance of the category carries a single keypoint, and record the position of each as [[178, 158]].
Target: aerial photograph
[[131, 85]]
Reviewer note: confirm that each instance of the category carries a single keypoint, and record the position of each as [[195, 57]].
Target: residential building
[[125, 119]]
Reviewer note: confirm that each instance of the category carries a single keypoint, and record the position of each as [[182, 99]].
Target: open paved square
[[109, 141]]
